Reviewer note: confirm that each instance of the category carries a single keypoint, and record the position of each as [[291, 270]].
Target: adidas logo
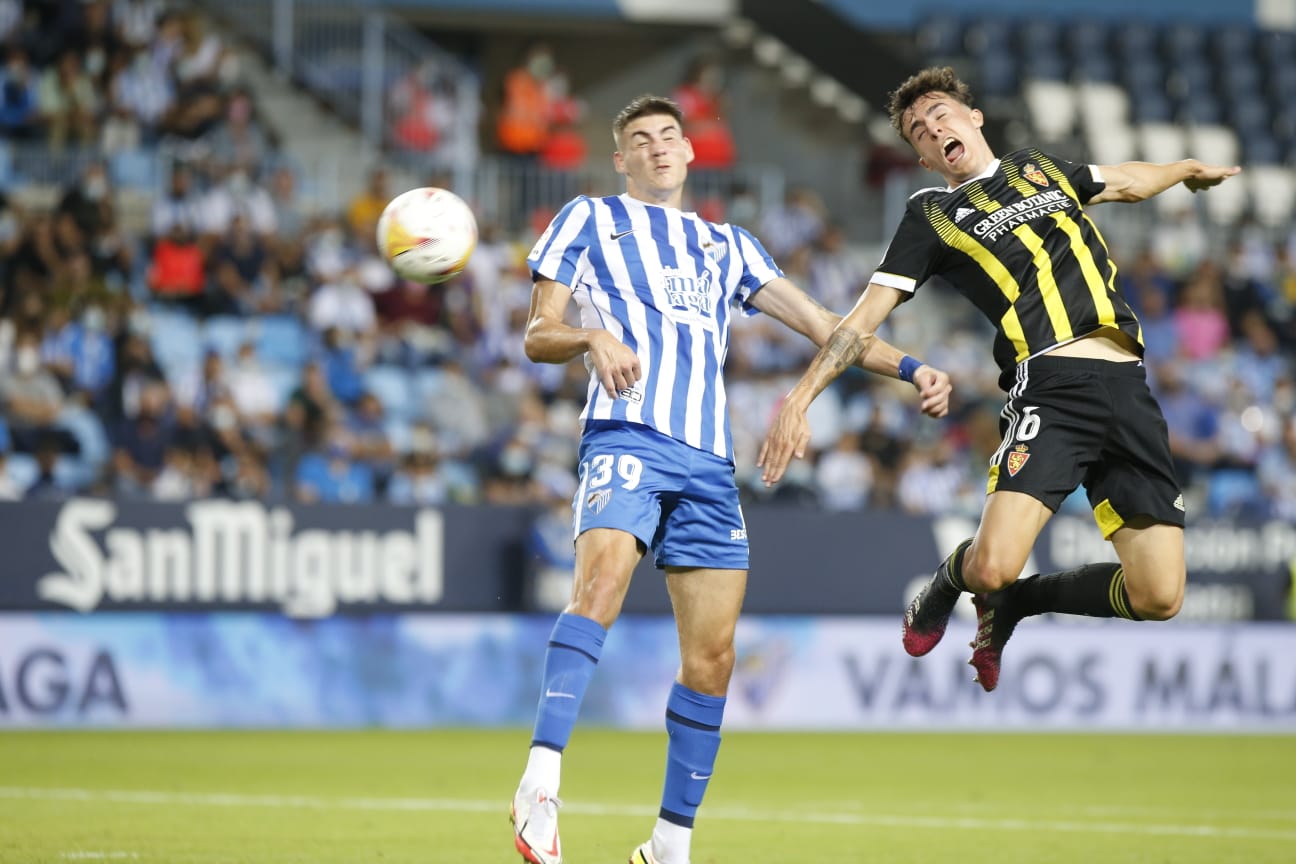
[[962, 213], [1178, 503]]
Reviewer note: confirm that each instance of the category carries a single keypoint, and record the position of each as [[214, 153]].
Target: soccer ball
[[427, 234]]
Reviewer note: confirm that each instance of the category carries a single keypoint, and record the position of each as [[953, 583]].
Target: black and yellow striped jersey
[[1017, 243]]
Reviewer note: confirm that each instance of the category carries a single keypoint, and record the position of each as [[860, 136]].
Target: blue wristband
[[908, 366]]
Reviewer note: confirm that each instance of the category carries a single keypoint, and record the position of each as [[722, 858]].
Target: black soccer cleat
[[995, 625], [929, 613]]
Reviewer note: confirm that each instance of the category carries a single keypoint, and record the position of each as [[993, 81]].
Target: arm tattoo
[[844, 348]]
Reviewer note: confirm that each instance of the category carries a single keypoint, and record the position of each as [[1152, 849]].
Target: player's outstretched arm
[[852, 341], [549, 339], [782, 300], [1138, 181]]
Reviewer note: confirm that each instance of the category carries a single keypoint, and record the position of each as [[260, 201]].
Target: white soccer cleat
[[643, 855], [535, 826]]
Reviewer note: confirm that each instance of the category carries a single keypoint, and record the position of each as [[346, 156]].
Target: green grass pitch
[[441, 797]]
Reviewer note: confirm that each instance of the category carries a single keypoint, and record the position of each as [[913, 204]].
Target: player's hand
[[787, 437], [934, 390], [616, 364], [1210, 175]]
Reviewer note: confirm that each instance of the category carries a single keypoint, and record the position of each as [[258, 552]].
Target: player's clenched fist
[[617, 365]]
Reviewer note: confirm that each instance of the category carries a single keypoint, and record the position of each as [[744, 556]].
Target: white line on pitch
[[736, 814]]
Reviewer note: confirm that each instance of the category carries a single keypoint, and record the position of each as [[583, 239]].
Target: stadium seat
[[1096, 68], [998, 75], [1087, 39], [21, 469], [1111, 145], [1152, 107], [1216, 145], [1219, 145], [941, 37], [1226, 204], [1044, 66], [1200, 110], [1233, 492], [1277, 47], [224, 334], [1272, 191], [1040, 35], [281, 339], [175, 337], [1251, 115], [71, 472], [1185, 42], [89, 432], [1165, 142], [1240, 78], [1282, 83], [427, 384], [1233, 44], [1102, 105], [1282, 124], [285, 378], [399, 432], [988, 36], [1261, 150], [134, 169], [1144, 74], [1191, 81], [1136, 40], [391, 384], [1051, 106], [1162, 142]]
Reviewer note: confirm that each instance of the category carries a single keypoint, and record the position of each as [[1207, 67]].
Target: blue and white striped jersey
[[662, 281]]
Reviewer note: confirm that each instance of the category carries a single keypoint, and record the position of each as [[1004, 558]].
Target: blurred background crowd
[[235, 337]]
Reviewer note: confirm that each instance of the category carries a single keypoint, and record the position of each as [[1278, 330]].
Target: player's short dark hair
[[646, 105], [933, 79]]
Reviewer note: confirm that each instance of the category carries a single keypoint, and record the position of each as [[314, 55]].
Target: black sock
[[1097, 590], [953, 583]]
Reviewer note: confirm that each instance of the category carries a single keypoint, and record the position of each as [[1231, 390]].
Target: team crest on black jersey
[[1017, 459], [1032, 173]]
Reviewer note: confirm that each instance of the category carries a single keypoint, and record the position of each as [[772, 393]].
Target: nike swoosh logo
[[615, 236], [554, 694], [697, 776]]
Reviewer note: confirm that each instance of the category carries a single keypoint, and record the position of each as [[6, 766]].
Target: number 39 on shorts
[[599, 470]]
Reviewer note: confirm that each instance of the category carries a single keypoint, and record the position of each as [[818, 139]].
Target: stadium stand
[[326, 326]]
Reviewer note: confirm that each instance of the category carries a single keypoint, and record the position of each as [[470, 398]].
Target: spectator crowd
[[244, 345]]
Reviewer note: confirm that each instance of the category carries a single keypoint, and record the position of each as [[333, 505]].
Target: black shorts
[[1072, 420]]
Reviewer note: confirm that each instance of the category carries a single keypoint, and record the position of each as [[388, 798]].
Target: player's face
[[654, 157], [947, 135]]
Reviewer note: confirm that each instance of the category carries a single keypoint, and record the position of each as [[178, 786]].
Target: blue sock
[[574, 649], [693, 724]]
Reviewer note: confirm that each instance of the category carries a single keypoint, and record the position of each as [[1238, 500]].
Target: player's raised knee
[[985, 569], [1158, 601]]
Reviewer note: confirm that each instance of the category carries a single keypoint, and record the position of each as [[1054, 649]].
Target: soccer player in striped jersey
[[1013, 237], [657, 288]]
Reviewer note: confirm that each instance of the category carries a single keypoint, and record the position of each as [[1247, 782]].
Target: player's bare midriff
[[1105, 344]]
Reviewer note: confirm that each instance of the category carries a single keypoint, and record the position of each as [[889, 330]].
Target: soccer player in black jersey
[[1011, 234]]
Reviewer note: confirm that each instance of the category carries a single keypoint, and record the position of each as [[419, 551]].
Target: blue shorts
[[679, 501]]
